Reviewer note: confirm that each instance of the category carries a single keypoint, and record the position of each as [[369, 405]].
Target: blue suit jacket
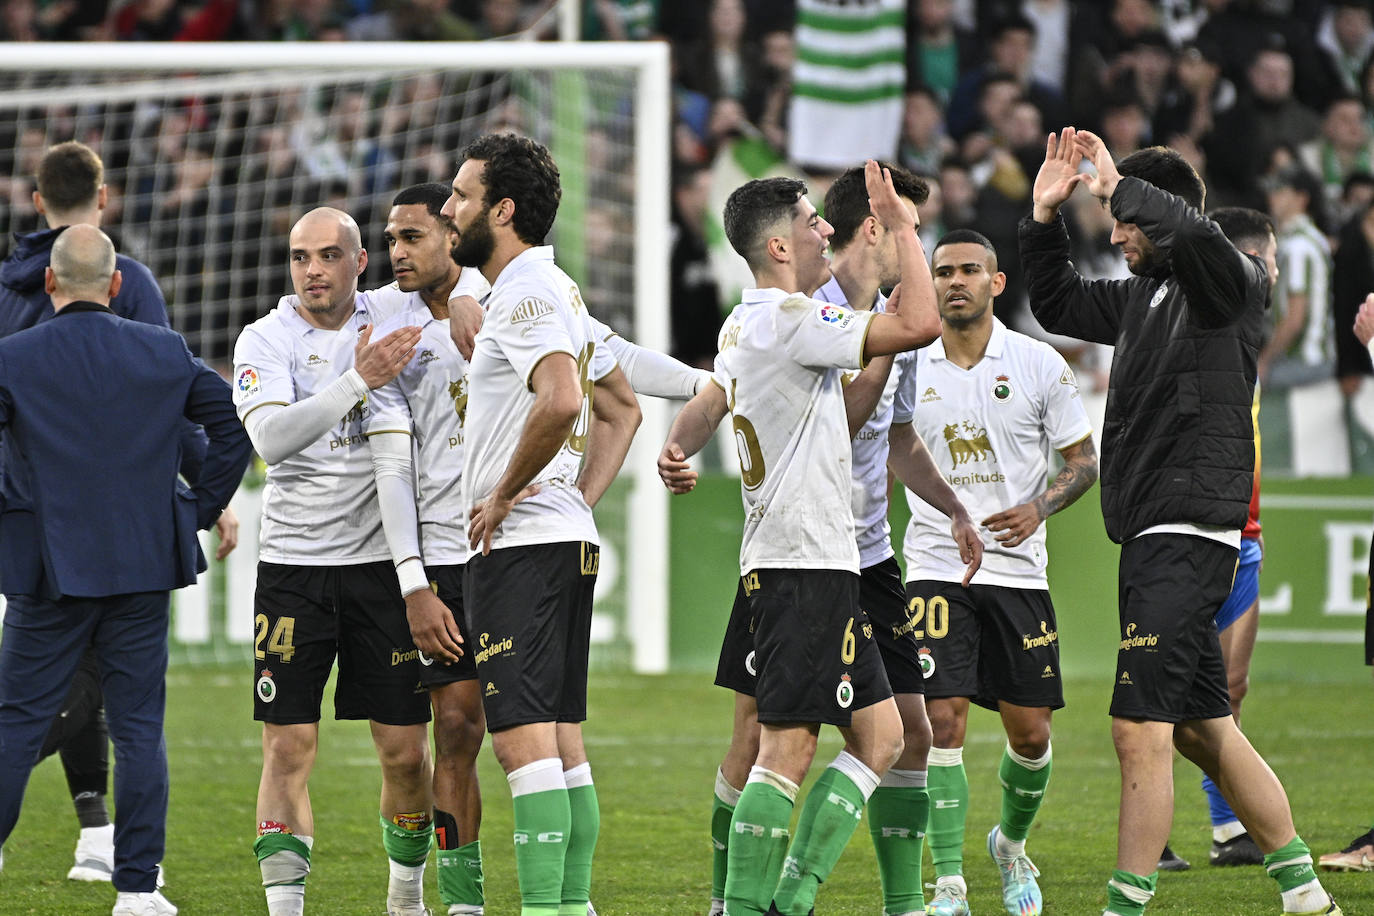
[[93, 405]]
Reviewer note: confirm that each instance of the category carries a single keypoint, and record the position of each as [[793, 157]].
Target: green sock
[[1023, 788], [1128, 893], [460, 874], [948, 788], [897, 817], [832, 810], [722, 810], [543, 820], [758, 843], [586, 825], [407, 845], [1290, 865]]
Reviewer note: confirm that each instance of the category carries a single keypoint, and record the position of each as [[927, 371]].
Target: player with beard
[[326, 583], [990, 403], [1178, 464], [432, 292], [549, 421]]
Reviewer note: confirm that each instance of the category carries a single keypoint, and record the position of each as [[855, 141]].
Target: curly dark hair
[[846, 203], [755, 207], [1167, 170], [522, 170], [432, 195]]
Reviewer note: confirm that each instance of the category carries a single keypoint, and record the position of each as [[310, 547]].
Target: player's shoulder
[[271, 331], [1030, 348]]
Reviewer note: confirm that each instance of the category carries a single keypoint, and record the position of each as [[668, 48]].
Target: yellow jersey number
[[935, 613], [577, 439], [751, 467]]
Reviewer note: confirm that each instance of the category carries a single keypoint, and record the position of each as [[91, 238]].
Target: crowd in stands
[[1271, 100]]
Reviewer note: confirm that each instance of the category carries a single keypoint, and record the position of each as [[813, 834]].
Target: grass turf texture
[[655, 744]]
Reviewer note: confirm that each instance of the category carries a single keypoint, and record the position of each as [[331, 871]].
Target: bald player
[[327, 587]]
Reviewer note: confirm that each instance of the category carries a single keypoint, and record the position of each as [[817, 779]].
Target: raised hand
[[380, 362], [1090, 147], [883, 199], [1058, 175]]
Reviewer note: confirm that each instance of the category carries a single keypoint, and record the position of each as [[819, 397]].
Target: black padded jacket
[[1178, 442]]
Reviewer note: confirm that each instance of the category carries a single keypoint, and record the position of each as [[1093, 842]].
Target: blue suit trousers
[[42, 645]]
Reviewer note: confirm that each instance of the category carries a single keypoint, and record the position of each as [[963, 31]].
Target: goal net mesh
[[207, 169]]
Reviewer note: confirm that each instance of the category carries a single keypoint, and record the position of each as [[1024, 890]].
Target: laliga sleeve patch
[[248, 382], [835, 316]]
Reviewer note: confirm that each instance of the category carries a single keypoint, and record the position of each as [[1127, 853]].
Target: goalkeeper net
[[213, 151]]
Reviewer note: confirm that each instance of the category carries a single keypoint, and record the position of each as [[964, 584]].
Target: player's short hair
[[1167, 170], [522, 170], [1246, 228], [755, 207], [432, 195], [846, 203], [69, 176], [966, 237]]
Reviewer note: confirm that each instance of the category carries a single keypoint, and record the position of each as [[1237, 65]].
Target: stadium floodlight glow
[[191, 134]]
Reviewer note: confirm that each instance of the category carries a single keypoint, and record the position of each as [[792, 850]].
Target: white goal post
[[41, 84]]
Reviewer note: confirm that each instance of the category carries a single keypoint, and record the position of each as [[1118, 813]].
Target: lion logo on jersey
[[967, 443], [459, 392]]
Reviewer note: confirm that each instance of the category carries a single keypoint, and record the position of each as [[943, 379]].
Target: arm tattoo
[[1073, 480]]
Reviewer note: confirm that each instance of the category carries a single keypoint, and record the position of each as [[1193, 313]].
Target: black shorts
[[305, 616], [1169, 666], [736, 669], [884, 603], [530, 613], [814, 648], [83, 709], [447, 582], [989, 643]]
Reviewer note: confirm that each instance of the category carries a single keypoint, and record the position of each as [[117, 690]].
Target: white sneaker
[[465, 909], [591, 910], [149, 903], [94, 855]]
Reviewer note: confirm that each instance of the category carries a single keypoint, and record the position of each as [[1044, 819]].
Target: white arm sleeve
[[656, 374], [396, 499], [279, 431]]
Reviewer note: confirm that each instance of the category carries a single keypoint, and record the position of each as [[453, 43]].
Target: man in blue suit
[[108, 534], [71, 192]]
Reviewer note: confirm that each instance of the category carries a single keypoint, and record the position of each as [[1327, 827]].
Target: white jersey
[[780, 364], [870, 448], [989, 430], [433, 391], [319, 506], [534, 310]]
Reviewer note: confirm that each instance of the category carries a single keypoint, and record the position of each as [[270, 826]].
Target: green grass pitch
[[655, 743]]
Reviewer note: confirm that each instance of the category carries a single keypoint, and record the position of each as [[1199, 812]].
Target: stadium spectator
[[1011, 44], [411, 20], [923, 144], [938, 51], [1196, 97], [958, 397], [794, 437], [695, 295], [1268, 116], [1345, 38], [79, 575], [1211, 305], [1344, 148], [1299, 350], [326, 584], [533, 558]]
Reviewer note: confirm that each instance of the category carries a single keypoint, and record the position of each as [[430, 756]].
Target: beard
[[475, 245]]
